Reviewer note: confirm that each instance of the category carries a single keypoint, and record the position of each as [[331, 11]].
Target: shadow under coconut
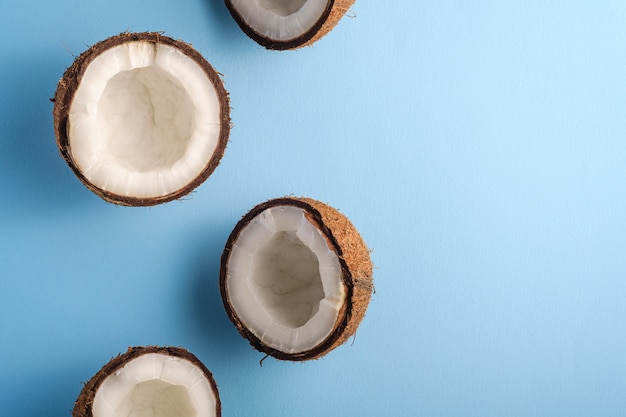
[[32, 173], [228, 29], [44, 393], [206, 309]]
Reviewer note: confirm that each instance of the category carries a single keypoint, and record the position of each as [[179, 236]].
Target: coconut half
[[150, 382], [287, 24], [141, 118], [296, 278]]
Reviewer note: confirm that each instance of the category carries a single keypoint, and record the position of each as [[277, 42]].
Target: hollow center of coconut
[[155, 385], [282, 7], [286, 274], [284, 281], [156, 398], [144, 121], [280, 20]]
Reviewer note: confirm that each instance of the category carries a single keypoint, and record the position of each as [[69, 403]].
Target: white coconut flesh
[[144, 121], [280, 20], [155, 385], [283, 281]]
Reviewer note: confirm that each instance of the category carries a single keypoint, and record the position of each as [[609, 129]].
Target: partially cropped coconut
[[150, 382], [287, 24], [141, 118], [296, 278]]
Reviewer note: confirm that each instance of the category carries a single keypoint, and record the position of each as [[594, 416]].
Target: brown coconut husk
[[356, 273], [67, 88], [84, 402], [335, 10]]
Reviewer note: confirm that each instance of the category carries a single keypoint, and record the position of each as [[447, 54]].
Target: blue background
[[478, 146]]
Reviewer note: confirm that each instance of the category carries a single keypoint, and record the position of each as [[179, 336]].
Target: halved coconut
[[287, 24], [296, 278], [150, 382], [141, 118]]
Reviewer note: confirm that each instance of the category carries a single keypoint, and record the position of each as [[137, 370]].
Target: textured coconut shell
[[84, 402], [69, 84], [334, 11], [356, 273]]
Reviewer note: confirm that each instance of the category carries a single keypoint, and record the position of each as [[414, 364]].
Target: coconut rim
[[345, 312], [304, 39], [84, 403], [68, 86]]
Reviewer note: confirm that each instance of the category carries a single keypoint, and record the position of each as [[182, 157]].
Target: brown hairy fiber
[[356, 255], [339, 9]]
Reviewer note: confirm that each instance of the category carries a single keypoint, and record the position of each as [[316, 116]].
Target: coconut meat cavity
[[144, 120], [155, 385], [283, 280]]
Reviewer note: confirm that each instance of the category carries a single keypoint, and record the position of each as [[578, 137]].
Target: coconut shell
[[69, 84], [356, 273], [334, 11], [84, 402]]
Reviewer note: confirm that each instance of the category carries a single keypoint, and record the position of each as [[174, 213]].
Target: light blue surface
[[479, 147]]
